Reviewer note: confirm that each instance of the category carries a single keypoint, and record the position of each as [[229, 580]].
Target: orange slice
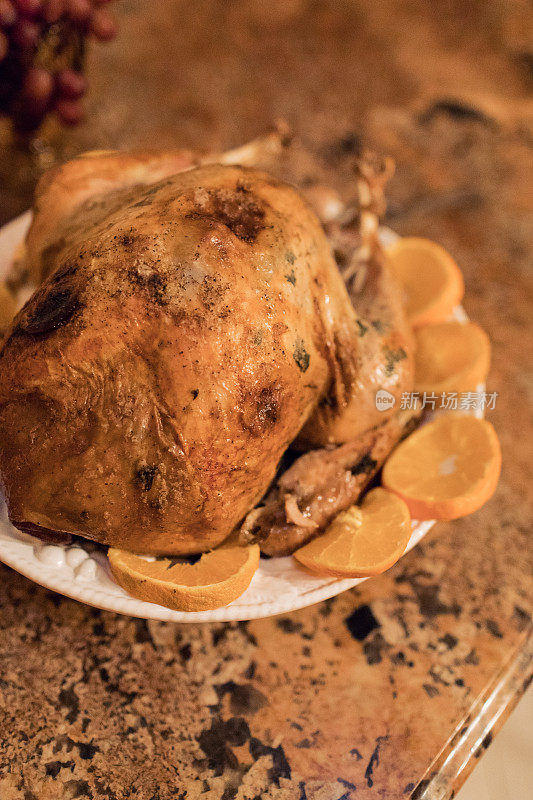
[[432, 282], [215, 580], [446, 469], [451, 357], [361, 541]]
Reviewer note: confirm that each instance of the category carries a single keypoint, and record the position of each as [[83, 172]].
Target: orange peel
[[362, 541], [431, 280], [447, 469], [219, 577]]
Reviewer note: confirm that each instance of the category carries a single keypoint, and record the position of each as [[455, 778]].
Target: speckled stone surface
[[393, 689]]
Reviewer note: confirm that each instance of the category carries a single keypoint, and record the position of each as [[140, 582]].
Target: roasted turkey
[[191, 323]]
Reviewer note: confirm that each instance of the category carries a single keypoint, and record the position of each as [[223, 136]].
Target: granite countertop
[[394, 688]]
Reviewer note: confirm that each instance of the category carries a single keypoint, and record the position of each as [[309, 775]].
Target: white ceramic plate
[[278, 586]]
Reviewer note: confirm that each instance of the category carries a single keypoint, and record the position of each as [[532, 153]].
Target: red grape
[[8, 14], [28, 8], [34, 99], [70, 112], [79, 10], [103, 25], [53, 10], [71, 84], [25, 34], [38, 87]]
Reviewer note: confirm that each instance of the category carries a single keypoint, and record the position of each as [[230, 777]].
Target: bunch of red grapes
[[41, 57]]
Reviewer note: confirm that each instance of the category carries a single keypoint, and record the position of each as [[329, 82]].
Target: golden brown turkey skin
[[383, 361], [68, 198], [150, 386]]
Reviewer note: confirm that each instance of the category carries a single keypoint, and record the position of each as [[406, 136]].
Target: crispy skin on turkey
[[71, 198], [185, 332], [322, 482]]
